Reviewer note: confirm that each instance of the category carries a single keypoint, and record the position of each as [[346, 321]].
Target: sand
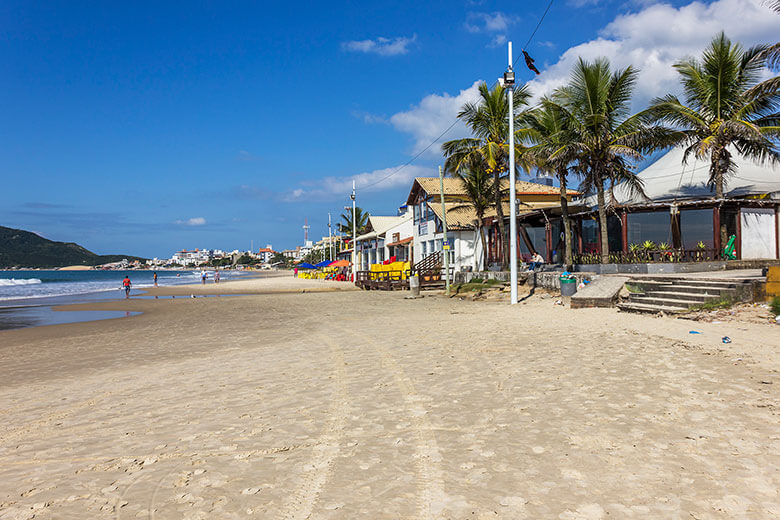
[[366, 405]]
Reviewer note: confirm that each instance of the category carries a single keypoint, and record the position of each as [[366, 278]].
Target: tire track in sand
[[430, 482], [301, 501]]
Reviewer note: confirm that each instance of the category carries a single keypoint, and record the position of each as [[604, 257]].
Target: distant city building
[[266, 254]]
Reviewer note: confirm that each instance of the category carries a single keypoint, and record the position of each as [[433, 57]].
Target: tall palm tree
[[722, 111], [603, 135], [547, 131], [361, 219], [488, 120], [479, 186]]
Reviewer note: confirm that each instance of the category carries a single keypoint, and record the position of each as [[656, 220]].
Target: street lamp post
[[330, 240], [509, 82], [354, 236]]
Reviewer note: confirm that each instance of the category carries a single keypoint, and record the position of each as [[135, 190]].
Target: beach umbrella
[[306, 265], [324, 263], [340, 263]]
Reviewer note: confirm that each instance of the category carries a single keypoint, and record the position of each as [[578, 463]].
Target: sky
[[143, 128]]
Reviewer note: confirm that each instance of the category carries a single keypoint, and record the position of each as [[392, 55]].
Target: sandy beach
[[288, 400]]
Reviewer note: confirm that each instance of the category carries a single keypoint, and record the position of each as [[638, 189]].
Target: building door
[[758, 235]]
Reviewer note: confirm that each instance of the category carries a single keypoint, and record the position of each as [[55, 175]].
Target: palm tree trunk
[[484, 247], [718, 178], [602, 220], [501, 226], [567, 258]]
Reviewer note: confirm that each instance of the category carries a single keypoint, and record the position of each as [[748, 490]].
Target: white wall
[[758, 233], [404, 229]]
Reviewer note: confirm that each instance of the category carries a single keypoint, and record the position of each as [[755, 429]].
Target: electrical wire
[[445, 132]]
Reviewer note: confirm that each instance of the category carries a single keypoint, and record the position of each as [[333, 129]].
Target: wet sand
[[292, 404]]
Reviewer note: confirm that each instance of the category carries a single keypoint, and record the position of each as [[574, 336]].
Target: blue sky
[[154, 126]]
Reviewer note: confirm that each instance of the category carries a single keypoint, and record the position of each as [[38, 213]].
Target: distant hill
[[20, 248]]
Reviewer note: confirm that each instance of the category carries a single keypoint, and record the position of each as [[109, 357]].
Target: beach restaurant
[[678, 218], [465, 244]]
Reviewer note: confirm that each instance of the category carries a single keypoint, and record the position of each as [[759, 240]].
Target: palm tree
[[602, 135], [361, 219], [488, 120], [724, 111], [479, 186], [546, 130]]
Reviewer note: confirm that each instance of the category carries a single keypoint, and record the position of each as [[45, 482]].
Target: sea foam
[[9, 282]]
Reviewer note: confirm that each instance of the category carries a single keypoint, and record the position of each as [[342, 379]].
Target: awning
[[400, 242]]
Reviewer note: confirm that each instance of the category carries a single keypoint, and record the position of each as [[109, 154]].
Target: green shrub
[[775, 305]]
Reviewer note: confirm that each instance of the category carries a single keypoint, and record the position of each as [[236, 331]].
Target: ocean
[[27, 297]]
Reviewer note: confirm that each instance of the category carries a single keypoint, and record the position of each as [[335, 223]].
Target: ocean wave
[[13, 282]]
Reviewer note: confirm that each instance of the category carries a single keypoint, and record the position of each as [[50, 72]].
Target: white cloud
[[369, 118], [194, 221], [489, 22], [382, 46], [432, 116], [655, 37], [496, 23], [377, 180]]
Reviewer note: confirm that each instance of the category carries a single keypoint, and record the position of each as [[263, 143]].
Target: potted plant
[[648, 246]]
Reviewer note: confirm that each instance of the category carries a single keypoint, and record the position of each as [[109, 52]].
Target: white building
[[465, 248], [372, 246], [266, 254], [195, 257]]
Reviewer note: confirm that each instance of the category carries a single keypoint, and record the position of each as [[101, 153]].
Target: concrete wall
[[681, 267], [547, 280]]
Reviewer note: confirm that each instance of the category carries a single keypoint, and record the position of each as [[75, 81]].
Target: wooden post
[[548, 235], [716, 229], [624, 224], [777, 231]]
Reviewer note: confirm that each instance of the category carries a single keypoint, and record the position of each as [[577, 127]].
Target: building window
[[654, 226], [424, 248], [695, 227]]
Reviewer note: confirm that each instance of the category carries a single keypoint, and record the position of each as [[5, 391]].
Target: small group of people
[[204, 275]]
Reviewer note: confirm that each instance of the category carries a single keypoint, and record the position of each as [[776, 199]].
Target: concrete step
[[701, 282], [649, 308], [699, 289], [680, 295], [663, 302]]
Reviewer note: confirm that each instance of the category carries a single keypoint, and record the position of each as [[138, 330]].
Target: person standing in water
[[203, 276], [216, 275], [126, 283], [155, 278]]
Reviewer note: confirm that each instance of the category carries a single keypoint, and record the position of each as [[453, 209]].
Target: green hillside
[[20, 248]]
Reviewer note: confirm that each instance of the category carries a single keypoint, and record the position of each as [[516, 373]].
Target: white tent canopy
[[668, 179]]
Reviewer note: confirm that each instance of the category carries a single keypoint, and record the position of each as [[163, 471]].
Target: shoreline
[[356, 404]]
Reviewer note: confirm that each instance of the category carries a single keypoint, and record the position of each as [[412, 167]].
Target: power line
[[537, 25], [417, 156]]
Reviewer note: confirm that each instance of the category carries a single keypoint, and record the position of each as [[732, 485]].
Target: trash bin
[[568, 285]]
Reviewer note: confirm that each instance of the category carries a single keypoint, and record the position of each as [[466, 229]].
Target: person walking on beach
[[216, 275], [203, 277], [155, 278], [126, 283]]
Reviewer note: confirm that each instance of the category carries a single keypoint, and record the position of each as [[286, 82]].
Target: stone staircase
[[675, 295]]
